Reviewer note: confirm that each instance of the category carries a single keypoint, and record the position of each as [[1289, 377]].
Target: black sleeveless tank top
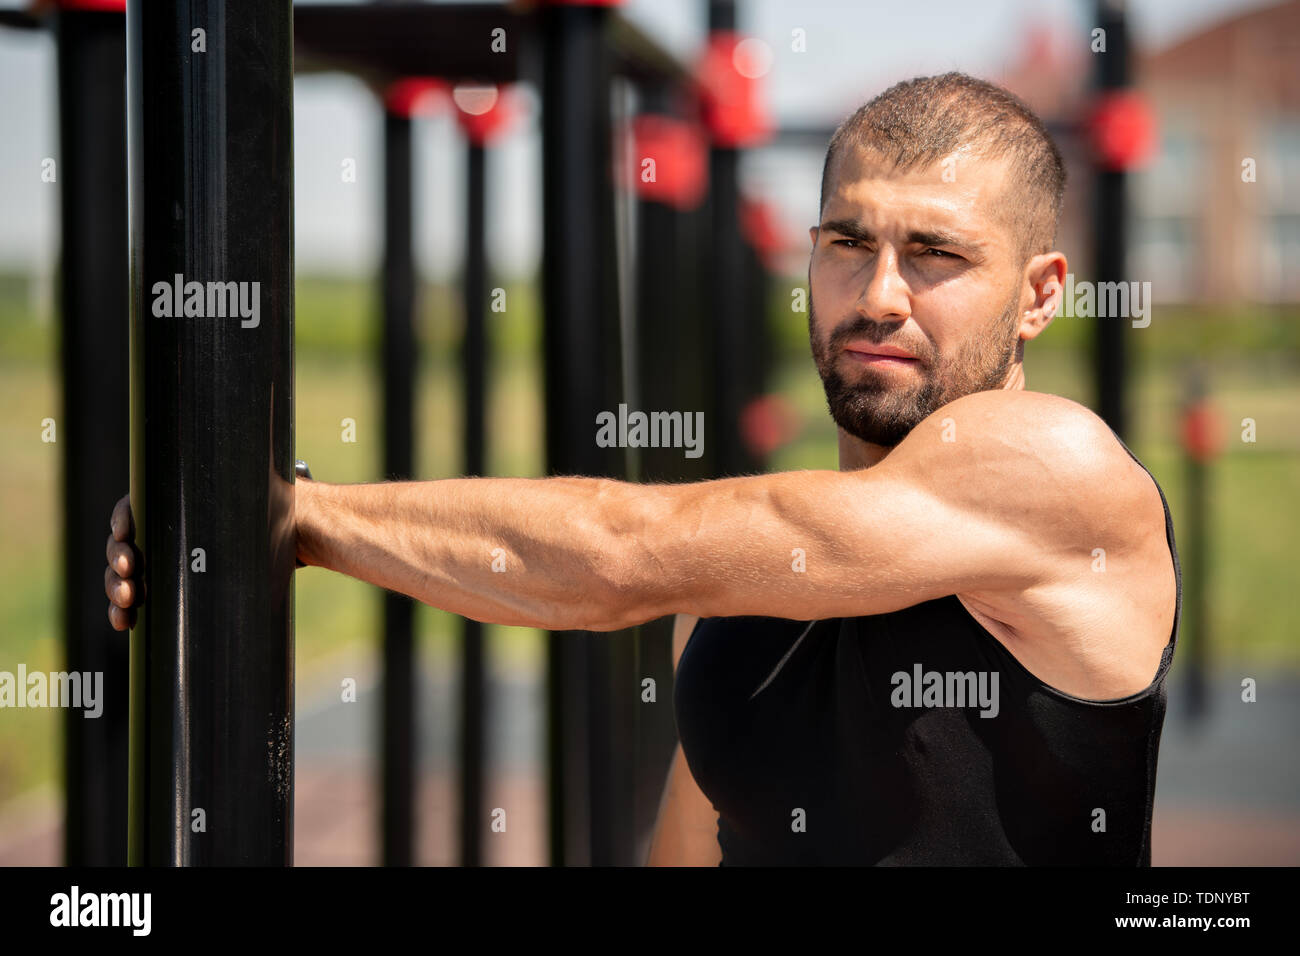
[[851, 742]]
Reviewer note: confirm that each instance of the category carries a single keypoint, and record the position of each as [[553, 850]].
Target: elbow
[[622, 589], [621, 580], [601, 617], [630, 577], [623, 592], [605, 599]]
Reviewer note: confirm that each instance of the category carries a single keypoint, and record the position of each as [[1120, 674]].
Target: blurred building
[[1225, 97], [1216, 212]]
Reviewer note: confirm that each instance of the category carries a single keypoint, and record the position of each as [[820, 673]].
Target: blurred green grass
[[1254, 371]]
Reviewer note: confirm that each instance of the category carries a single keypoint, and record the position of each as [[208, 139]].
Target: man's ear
[[812, 234], [1044, 292]]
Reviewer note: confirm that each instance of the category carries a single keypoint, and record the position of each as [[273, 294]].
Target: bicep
[[819, 544], [1017, 494]]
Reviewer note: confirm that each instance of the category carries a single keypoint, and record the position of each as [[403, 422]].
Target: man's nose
[[885, 297]]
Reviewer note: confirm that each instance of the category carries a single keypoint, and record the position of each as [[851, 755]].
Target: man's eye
[[941, 253], [846, 243]]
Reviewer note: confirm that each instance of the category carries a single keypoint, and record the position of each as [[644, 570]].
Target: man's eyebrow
[[849, 227], [920, 237], [937, 237]]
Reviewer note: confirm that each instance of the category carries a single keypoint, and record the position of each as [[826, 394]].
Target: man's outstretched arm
[[1013, 495]]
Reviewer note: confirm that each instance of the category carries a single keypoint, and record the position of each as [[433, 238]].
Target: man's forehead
[[962, 188]]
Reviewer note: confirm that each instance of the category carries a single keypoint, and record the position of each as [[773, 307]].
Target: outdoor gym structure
[[666, 315]]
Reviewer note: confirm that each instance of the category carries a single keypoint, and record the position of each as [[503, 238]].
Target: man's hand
[[123, 560]]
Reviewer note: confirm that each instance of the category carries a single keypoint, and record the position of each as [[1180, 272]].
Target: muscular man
[[953, 649]]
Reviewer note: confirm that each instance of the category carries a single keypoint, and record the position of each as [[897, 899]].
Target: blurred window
[[1165, 210], [1278, 173]]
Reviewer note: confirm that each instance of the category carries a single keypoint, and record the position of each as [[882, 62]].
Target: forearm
[[556, 553], [600, 555]]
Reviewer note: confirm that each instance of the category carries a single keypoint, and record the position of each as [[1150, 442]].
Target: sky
[[854, 49]]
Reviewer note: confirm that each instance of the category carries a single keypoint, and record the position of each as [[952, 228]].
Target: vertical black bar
[[666, 337], [670, 337], [582, 378], [756, 339], [94, 297], [1196, 550], [398, 815], [615, 656], [693, 332], [722, 15], [1109, 224], [474, 369], [728, 314], [210, 133]]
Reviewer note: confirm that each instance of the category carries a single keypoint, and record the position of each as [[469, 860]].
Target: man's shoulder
[[1036, 450], [1038, 416], [1061, 477], [1048, 430]]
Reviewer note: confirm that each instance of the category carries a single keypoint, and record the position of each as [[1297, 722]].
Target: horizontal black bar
[[386, 41], [639, 58], [382, 42], [450, 40], [21, 20]]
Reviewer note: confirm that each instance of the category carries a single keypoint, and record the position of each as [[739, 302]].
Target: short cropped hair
[[920, 121]]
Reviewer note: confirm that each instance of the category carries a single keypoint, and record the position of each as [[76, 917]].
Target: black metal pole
[[757, 340], [1195, 553], [590, 779], [474, 369], [1109, 235], [722, 15], [211, 186], [693, 330], [94, 299], [727, 312], [672, 378], [398, 348], [670, 335]]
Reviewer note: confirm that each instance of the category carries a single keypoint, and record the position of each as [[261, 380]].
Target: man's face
[[918, 266]]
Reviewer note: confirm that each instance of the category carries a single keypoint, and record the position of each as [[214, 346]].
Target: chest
[[766, 702]]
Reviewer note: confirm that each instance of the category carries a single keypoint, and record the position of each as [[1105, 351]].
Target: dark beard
[[876, 411]]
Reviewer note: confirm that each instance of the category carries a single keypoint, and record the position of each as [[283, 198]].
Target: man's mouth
[[881, 356]]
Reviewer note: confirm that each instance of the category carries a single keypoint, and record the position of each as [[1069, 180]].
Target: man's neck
[[856, 454]]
